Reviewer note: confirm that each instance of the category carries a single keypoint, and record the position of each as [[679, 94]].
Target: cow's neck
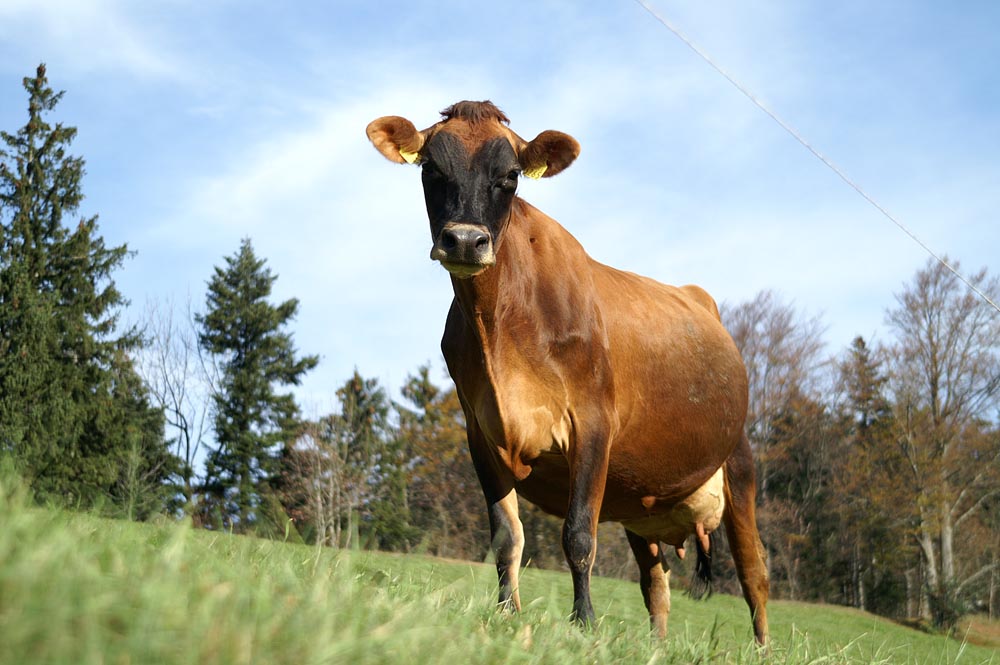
[[504, 290], [532, 297]]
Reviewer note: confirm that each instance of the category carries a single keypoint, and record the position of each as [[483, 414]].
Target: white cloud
[[88, 36]]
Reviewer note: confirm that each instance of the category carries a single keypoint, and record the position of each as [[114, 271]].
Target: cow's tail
[[701, 581]]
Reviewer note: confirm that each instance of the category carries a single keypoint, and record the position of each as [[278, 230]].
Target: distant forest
[[878, 467]]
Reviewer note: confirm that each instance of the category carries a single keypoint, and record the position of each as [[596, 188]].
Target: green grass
[[79, 589]]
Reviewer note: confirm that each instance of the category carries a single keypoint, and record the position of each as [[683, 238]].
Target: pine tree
[[61, 356], [253, 421], [375, 465], [873, 540], [125, 421], [864, 380]]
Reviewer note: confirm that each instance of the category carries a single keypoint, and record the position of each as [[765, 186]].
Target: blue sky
[[202, 122]]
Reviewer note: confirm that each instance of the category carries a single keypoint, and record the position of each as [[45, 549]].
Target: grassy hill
[[79, 589]]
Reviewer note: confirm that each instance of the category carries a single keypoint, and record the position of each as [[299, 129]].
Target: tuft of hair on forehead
[[475, 112]]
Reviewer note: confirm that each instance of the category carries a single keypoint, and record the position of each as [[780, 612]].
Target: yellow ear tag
[[536, 172], [410, 157]]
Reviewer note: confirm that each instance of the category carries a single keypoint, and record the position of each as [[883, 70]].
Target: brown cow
[[594, 393]]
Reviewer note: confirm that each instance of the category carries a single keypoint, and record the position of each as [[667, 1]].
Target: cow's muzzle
[[464, 250]]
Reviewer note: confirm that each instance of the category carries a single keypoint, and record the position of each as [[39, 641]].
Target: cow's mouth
[[464, 270]]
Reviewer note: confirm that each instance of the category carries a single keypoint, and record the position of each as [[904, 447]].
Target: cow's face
[[471, 163]]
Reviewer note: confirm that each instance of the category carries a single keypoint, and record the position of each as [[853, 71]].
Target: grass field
[[78, 589]]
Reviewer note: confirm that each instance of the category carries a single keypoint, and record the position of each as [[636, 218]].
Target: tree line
[[878, 466]]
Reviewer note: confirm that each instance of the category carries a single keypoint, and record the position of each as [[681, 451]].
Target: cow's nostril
[[449, 240], [482, 241]]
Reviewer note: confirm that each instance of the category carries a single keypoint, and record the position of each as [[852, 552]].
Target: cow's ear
[[396, 138], [548, 154]]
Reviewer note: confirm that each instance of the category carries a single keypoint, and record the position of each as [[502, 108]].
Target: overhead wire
[[820, 156]]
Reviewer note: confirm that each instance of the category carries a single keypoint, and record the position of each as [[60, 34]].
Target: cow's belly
[[659, 471], [547, 486]]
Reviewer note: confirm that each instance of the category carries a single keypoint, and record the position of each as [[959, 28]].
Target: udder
[[700, 513]]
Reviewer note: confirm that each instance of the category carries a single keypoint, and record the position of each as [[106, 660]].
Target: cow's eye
[[509, 181]]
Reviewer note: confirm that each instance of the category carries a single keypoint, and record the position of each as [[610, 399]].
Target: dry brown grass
[[979, 629]]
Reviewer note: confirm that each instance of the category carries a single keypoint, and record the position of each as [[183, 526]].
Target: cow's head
[[471, 163]]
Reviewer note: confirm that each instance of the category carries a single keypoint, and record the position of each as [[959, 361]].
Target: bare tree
[[332, 471], [316, 478], [945, 380], [781, 348], [179, 381]]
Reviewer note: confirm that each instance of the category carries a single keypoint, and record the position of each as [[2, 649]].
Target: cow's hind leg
[[744, 540], [654, 580]]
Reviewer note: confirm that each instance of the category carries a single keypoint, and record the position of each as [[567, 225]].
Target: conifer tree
[[372, 466], [253, 420], [62, 360], [873, 542]]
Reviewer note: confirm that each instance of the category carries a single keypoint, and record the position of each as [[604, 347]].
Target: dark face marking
[[468, 199]]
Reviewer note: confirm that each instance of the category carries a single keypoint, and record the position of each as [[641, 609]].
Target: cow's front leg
[[508, 544], [588, 474], [506, 532]]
